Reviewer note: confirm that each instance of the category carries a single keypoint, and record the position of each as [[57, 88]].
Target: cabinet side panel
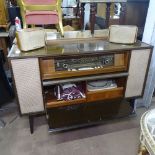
[[27, 80], [137, 71]]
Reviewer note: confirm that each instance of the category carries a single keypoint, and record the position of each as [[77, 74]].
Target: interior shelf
[[86, 78], [91, 96], [51, 103]]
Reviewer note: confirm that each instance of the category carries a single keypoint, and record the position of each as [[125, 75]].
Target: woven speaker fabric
[[30, 38], [137, 71], [28, 84], [124, 34]]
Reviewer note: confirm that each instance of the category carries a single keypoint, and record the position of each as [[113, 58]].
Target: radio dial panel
[[86, 63]]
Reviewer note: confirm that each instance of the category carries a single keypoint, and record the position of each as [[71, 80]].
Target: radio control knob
[[58, 64], [65, 65], [106, 61]]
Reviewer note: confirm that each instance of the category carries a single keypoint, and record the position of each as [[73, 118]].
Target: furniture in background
[[13, 2], [4, 18], [37, 73], [38, 12], [14, 11], [135, 14], [6, 92], [5, 30], [71, 15], [93, 11], [147, 135], [4, 42]]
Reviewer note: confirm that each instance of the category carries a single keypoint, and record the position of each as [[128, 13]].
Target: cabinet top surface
[[87, 47]]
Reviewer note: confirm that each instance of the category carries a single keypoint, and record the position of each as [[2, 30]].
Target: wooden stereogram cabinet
[[37, 73]]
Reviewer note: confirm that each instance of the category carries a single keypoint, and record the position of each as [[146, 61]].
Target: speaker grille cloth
[[137, 70], [28, 84]]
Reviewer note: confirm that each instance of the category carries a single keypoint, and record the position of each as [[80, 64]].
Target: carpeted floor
[[116, 137]]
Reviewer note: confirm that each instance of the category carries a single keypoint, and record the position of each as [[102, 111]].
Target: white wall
[[87, 14], [149, 37]]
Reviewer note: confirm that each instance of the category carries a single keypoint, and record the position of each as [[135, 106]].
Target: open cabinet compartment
[[90, 96], [52, 101], [110, 93], [102, 106]]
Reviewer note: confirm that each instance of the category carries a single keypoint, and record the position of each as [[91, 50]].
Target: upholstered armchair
[[41, 12]]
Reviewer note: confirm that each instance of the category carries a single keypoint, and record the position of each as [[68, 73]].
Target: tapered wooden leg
[[82, 14], [92, 17], [122, 14], [107, 14], [31, 123], [77, 11]]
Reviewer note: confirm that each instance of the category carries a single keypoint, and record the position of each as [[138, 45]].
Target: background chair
[[41, 12]]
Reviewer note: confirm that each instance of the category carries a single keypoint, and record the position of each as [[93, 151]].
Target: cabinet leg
[[92, 17], [31, 123], [107, 14], [82, 14]]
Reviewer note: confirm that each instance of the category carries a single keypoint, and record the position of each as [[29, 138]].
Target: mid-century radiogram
[[37, 72]]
